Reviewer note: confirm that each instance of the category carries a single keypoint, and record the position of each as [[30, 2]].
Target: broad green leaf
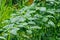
[[2, 38]]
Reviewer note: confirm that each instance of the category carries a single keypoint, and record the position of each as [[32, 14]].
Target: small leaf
[[57, 10], [58, 24], [31, 22], [50, 0], [51, 23], [8, 26], [45, 19], [43, 9], [49, 16], [14, 31], [51, 11], [29, 31], [35, 27]]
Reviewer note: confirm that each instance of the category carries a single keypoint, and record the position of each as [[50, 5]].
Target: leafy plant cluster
[[38, 21]]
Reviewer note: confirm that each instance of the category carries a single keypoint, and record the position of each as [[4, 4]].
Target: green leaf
[[2, 38], [58, 24], [35, 27], [50, 0], [45, 19], [14, 31], [51, 23], [29, 31], [43, 9]]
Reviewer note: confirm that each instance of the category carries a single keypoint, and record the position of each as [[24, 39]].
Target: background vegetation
[[29, 19]]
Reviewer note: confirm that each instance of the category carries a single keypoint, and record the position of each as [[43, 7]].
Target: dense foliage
[[30, 20]]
